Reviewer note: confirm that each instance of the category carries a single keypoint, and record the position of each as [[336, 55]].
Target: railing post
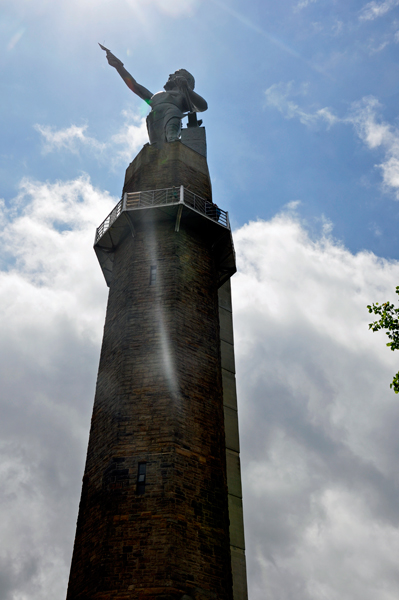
[[227, 220], [181, 195], [124, 201]]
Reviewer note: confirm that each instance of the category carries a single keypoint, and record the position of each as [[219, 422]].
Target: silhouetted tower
[[160, 514]]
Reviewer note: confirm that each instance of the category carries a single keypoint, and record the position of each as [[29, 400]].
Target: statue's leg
[[172, 129], [155, 128]]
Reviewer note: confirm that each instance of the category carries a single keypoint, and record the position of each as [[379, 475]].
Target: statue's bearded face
[[171, 83]]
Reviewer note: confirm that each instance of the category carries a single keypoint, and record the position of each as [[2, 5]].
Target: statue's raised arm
[[130, 81], [167, 107]]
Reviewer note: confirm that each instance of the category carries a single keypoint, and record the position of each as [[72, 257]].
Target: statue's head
[[180, 73]]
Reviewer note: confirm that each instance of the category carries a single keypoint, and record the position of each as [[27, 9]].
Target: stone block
[[194, 138], [225, 296], [239, 569], [236, 522], [231, 429], [227, 355], [226, 325], [229, 389], [233, 473]]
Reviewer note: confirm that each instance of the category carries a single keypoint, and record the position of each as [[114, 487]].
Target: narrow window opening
[[141, 475], [153, 274]]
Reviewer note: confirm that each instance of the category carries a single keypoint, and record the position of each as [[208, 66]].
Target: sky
[[303, 151]]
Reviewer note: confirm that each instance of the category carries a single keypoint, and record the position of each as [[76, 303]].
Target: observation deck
[[178, 204]]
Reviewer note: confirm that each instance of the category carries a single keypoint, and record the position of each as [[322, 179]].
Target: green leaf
[[389, 320]]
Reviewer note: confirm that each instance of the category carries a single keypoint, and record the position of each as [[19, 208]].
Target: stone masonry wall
[[170, 166], [159, 401]]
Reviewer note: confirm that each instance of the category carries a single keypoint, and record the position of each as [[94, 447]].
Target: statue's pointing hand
[[111, 58]]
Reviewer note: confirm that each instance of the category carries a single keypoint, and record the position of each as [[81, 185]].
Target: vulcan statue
[[168, 107]]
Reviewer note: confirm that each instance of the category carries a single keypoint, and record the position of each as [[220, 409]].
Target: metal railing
[[106, 224], [206, 208], [151, 198], [175, 195]]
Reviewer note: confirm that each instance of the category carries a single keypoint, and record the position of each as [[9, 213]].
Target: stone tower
[[160, 515]]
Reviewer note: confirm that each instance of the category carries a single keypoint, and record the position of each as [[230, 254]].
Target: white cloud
[[376, 133], [69, 138], [303, 4], [318, 420], [380, 46], [131, 136], [277, 96], [364, 116], [122, 146], [373, 9], [52, 298]]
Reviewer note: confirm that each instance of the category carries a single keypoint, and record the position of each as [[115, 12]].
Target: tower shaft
[[154, 513]]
